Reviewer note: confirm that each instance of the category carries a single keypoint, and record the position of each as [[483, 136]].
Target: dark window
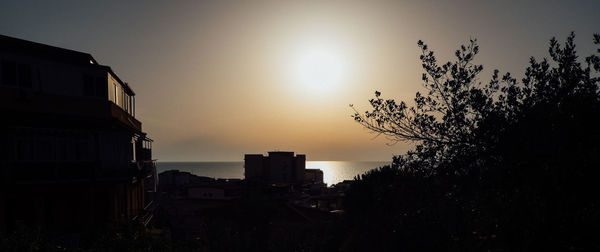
[[70, 149], [61, 150], [9, 73], [88, 85], [44, 150], [81, 151], [25, 76], [25, 149], [101, 86]]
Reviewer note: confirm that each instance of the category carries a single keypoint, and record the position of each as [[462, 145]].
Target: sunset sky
[[218, 79]]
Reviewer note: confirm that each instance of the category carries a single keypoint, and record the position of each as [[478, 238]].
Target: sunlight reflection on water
[[333, 171], [338, 171]]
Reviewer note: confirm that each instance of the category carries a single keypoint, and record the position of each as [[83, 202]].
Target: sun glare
[[319, 69]]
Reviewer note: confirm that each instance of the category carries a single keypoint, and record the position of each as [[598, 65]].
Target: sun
[[319, 69]]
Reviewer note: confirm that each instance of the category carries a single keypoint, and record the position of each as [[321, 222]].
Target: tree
[[504, 165]]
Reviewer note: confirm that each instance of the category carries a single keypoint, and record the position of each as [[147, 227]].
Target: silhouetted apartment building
[[72, 153], [277, 167]]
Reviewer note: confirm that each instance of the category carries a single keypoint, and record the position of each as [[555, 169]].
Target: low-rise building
[[313, 176], [184, 185]]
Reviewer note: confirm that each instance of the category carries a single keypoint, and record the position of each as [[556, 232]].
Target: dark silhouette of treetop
[[505, 165]]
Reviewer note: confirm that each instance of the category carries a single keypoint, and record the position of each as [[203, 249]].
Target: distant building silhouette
[[313, 176], [277, 167], [72, 154], [185, 185], [280, 167]]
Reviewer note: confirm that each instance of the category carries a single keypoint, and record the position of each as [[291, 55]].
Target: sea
[[333, 171]]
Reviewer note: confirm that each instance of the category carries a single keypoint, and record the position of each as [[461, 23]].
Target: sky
[[217, 79]]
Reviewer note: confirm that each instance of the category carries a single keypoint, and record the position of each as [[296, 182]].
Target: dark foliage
[[500, 166]]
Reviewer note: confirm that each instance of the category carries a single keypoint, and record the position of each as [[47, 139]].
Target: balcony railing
[[13, 105], [147, 168], [124, 117], [146, 215], [145, 152]]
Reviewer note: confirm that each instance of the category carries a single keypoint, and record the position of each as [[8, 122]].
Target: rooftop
[[39, 50]]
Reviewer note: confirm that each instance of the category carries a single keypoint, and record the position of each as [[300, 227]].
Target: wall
[[280, 166], [113, 149], [53, 77], [253, 166], [299, 168]]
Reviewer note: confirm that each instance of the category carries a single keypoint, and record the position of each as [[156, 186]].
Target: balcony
[[146, 168], [145, 216], [124, 117], [27, 106], [51, 172]]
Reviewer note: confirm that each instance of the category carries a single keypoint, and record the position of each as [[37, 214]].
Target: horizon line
[[241, 161]]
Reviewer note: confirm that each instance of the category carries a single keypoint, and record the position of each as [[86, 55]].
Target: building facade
[[72, 154], [277, 167]]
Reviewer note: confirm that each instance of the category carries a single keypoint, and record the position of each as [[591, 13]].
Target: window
[[115, 96], [61, 149], [123, 99], [125, 102], [81, 151], [25, 149], [44, 148], [101, 87], [88, 85], [25, 78], [14, 74], [131, 105], [9, 73]]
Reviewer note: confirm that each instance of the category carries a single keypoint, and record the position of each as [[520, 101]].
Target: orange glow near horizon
[[215, 80]]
